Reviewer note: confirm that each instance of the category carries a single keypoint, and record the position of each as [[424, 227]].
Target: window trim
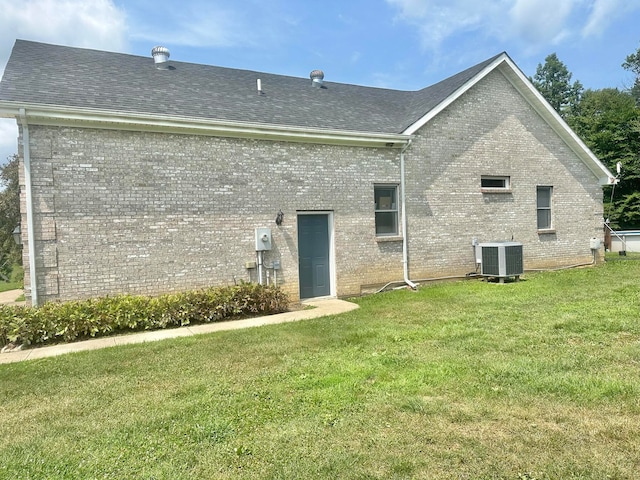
[[505, 179], [550, 228], [396, 235]]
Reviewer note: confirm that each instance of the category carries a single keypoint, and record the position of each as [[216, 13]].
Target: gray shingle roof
[[44, 74]]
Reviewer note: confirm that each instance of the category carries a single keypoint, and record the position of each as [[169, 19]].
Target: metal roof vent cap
[[317, 76], [160, 56]]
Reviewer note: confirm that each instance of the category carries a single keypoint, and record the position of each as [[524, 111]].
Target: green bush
[[70, 321]]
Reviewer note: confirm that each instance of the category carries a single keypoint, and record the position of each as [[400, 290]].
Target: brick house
[[145, 175]]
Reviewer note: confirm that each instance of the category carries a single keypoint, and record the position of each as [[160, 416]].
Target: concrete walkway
[[320, 308], [9, 297]]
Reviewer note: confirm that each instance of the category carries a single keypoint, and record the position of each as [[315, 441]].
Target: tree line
[[10, 252], [608, 121]]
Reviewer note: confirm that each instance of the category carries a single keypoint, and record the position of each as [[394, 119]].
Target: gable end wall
[[492, 130]]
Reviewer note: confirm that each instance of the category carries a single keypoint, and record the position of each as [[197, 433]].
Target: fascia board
[[521, 83], [412, 129], [88, 118]]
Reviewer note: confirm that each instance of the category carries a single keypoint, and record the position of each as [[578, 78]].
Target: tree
[[608, 121], [632, 63], [553, 81], [10, 252]]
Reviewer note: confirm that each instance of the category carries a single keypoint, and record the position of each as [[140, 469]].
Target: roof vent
[[160, 57], [317, 76]]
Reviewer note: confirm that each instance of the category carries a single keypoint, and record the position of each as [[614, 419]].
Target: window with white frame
[[544, 203], [386, 209], [493, 183]]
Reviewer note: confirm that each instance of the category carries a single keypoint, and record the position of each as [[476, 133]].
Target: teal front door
[[313, 255]]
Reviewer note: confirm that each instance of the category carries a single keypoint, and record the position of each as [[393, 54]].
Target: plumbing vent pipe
[[160, 57], [317, 76]]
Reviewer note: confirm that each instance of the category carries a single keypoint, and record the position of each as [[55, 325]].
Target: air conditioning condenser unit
[[501, 260]]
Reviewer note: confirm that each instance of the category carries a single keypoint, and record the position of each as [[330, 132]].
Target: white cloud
[[540, 22], [195, 26], [216, 24], [439, 19], [81, 23], [532, 24], [604, 12]]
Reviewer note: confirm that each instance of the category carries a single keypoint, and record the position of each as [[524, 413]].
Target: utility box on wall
[[263, 239]]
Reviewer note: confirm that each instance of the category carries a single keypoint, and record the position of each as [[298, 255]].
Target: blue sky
[[399, 44]]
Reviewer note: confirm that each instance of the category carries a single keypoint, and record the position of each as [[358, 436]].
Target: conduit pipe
[[260, 258], [26, 157], [424, 280], [477, 275], [405, 243], [567, 267]]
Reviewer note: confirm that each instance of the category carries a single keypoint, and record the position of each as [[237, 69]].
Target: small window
[[386, 209], [544, 195], [495, 183]]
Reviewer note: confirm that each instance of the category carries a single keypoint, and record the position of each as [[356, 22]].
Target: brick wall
[[149, 213], [491, 130], [152, 213]]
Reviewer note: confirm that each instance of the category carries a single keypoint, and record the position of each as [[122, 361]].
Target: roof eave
[[92, 118]]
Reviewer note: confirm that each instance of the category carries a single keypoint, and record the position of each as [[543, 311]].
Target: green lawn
[[468, 380], [6, 286]]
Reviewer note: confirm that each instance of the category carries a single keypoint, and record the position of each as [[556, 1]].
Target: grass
[[15, 280], [615, 256], [6, 286], [470, 380]]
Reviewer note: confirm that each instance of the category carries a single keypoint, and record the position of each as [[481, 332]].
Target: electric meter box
[[263, 239], [594, 243]]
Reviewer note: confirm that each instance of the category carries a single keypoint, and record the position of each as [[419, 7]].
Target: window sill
[[549, 231], [496, 190], [389, 238]]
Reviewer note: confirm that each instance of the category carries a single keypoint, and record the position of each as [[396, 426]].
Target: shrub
[[70, 321]]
